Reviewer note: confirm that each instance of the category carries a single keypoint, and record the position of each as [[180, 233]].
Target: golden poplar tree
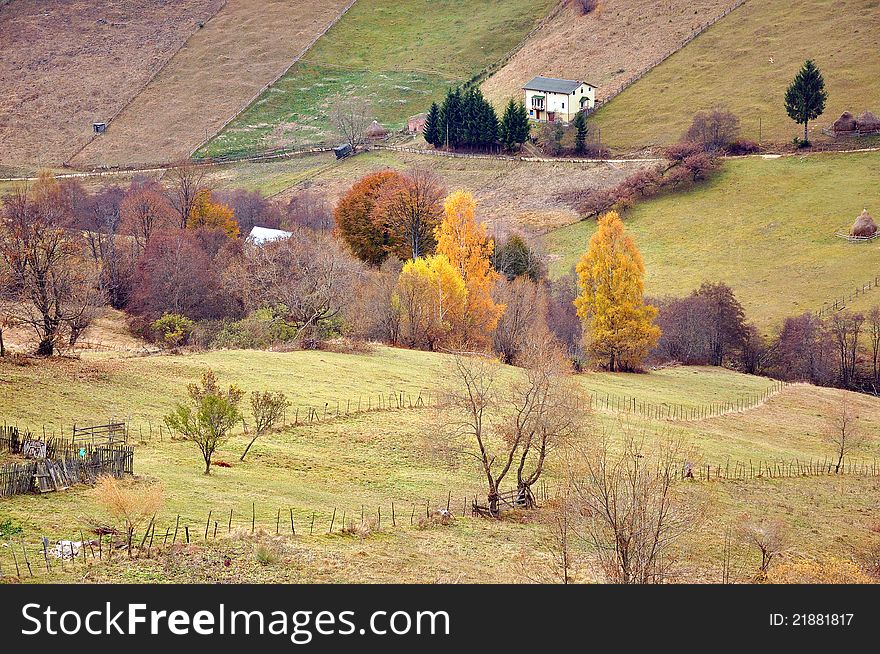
[[467, 246], [619, 326]]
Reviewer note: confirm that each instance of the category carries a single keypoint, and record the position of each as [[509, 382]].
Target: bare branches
[[632, 515], [351, 116], [843, 430], [767, 536]]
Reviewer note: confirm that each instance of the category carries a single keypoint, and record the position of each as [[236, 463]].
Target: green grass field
[[399, 55], [374, 459], [745, 62], [765, 227]]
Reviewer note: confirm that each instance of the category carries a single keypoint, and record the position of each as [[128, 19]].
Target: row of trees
[[465, 119]]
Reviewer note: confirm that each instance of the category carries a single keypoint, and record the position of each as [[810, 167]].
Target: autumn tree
[[134, 505], [208, 417], [56, 288], [765, 535], [267, 408], [410, 208], [372, 315], [524, 317], [466, 244], [805, 97], [726, 326], [713, 130], [208, 214], [430, 300], [355, 216], [618, 324]]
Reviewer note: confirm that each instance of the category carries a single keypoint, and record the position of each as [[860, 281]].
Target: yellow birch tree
[[618, 325], [430, 299]]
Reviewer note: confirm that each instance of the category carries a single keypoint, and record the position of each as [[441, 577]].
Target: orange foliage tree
[[358, 222], [619, 325], [469, 249], [208, 214]]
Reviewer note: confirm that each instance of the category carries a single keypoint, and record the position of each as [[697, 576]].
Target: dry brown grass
[[605, 47], [246, 45], [68, 64]]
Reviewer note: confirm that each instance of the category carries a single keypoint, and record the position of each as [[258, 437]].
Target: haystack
[[846, 123], [867, 123], [376, 131], [864, 226]]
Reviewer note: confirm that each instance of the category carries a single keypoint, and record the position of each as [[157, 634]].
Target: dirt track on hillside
[[605, 47], [246, 45], [65, 65]]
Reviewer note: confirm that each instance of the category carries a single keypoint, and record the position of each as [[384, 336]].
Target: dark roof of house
[[553, 85]]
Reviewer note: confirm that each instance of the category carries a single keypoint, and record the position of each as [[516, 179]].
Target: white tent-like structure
[[262, 235]]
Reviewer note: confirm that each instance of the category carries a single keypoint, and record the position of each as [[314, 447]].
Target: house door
[[551, 116]]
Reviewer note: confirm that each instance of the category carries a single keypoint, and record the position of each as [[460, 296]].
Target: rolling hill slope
[[745, 62], [765, 227]]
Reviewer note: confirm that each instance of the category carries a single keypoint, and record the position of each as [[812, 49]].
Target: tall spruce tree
[[431, 131], [514, 128], [523, 126], [580, 139], [805, 98]]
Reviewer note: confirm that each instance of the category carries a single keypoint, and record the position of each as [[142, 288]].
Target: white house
[[550, 99], [261, 235]]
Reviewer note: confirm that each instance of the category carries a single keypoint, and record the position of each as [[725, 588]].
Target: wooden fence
[[840, 303], [67, 466], [110, 434]]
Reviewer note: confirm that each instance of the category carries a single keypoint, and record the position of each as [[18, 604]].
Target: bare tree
[[768, 536], [874, 333], [526, 304], [308, 276], [843, 430], [185, 180], [632, 512], [546, 409], [267, 409], [846, 327], [351, 116], [56, 290]]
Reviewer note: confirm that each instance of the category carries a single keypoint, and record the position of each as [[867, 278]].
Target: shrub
[[713, 130], [586, 6], [741, 147], [130, 503], [266, 554], [173, 329]]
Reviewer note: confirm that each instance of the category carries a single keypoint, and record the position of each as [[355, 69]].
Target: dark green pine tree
[[805, 98], [523, 125], [488, 124], [580, 139], [431, 130], [450, 126], [507, 131]]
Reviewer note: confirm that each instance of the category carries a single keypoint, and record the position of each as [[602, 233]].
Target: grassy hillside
[[765, 227], [399, 55], [371, 460], [105, 386], [745, 62], [223, 65], [68, 64]]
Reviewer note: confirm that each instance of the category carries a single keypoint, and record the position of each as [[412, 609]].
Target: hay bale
[[376, 131], [867, 123], [864, 225], [846, 123]]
